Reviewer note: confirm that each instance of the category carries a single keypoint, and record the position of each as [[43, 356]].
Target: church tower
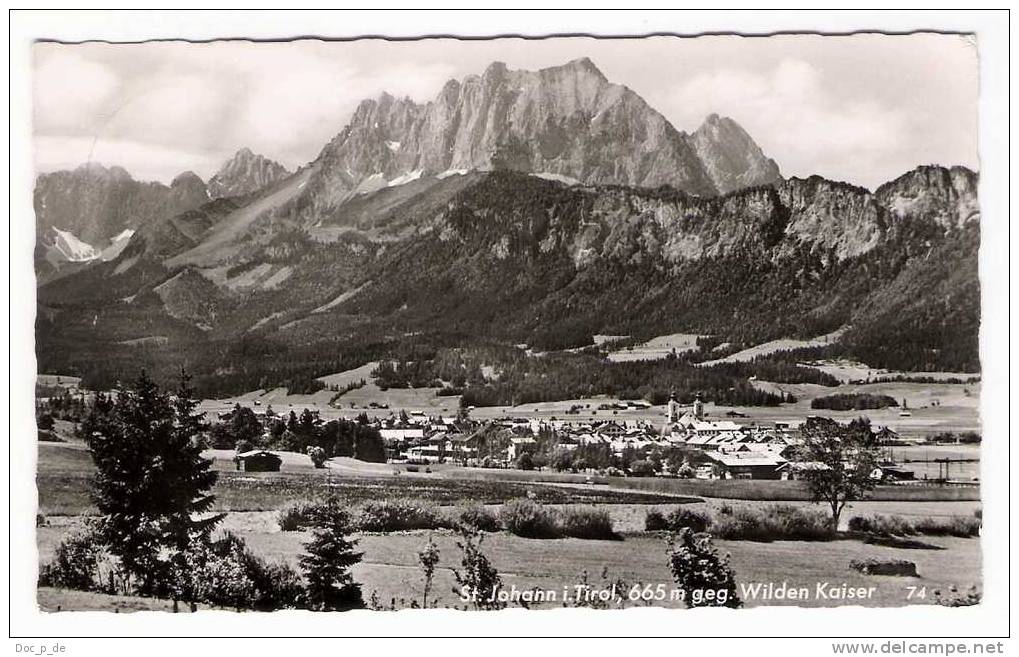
[[698, 408], [673, 413]]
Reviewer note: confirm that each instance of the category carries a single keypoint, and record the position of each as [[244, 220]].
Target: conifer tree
[[150, 480], [330, 556], [191, 476]]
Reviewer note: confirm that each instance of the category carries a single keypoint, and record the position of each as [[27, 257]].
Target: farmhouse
[[258, 460], [518, 446], [892, 472], [798, 470], [463, 449], [432, 449], [401, 435], [744, 465]]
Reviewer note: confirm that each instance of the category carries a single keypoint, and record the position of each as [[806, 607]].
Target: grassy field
[[848, 371], [389, 567], [934, 407], [777, 345], [656, 348], [390, 564], [64, 471], [51, 599]]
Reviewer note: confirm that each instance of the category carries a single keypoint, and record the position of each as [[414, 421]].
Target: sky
[[862, 109]]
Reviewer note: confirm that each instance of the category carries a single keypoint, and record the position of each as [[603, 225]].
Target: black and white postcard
[[358, 324]]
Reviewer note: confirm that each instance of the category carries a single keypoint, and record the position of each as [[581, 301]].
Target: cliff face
[[244, 173], [945, 196], [569, 121], [514, 199], [832, 220], [96, 203], [496, 255]]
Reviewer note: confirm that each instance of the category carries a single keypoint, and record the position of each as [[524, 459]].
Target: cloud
[[299, 102], [144, 161], [862, 109], [69, 90], [171, 111], [793, 110]]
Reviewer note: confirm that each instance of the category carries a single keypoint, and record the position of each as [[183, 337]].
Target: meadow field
[[933, 408], [390, 571], [655, 348]]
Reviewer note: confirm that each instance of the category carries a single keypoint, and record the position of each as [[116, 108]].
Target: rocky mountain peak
[[495, 71], [731, 157], [244, 173], [947, 196], [566, 120], [99, 171], [583, 66], [83, 212], [187, 179]]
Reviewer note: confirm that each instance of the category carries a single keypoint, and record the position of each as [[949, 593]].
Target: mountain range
[[89, 213], [515, 202]]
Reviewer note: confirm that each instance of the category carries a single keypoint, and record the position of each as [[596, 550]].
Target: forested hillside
[[509, 258]]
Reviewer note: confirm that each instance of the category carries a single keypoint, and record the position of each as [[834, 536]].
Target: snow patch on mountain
[[410, 176], [72, 248], [452, 172], [557, 177], [116, 246], [372, 183]]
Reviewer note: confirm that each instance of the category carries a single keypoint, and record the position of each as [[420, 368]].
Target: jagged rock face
[[244, 173], [833, 220], [96, 203], [946, 196], [567, 120], [732, 159], [506, 250], [840, 218]]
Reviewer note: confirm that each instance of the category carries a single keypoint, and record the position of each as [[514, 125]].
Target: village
[[687, 444]]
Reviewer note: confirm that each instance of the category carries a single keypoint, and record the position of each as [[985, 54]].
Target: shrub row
[[522, 517], [390, 516], [371, 516], [529, 519], [480, 518], [697, 521], [399, 515], [776, 522], [891, 525]]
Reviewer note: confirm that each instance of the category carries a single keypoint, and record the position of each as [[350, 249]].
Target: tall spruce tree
[[151, 481], [191, 476], [330, 556]]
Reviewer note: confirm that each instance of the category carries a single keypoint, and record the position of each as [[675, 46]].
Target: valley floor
[[933, 408], [390, 569]]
